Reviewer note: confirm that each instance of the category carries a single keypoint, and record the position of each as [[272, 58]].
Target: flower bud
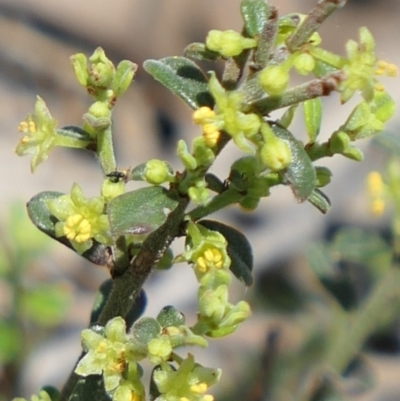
[[228, 43], [276, 154], [304, 63], [157, 172], [102, 70], [323, 176], [110, 189], [274, 79]]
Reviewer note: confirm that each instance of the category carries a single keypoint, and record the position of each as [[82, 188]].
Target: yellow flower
[[376, 191], [40, 134]]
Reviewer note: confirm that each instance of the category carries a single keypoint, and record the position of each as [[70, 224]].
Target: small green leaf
[[300, 174], [40, 216], [170, 316], [183, 78], [146, 329], [254, 13], [140, 212], [320, 260], [73, 132], [356, 245], [52, 392], [312, 113], [199, 51], [320, 201], [288, 115], [239, 250], [90, 388]]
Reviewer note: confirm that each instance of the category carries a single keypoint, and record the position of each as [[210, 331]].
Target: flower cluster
[[361, 67], [227, 116], [99, 76], [112, 354], [206, 250]]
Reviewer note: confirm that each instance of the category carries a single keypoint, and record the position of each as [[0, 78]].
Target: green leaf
[[199, 51], [146, 329], [320, 201], [101, 299], [170, 316], [45, 305], [288, 116], [356, 245], [74, 132], [90, 388], [52, 392], [45, 222], [300, 174], [320, 259], [312, 113], [140, 212], [254, 13], [239, 250], [183, 78]]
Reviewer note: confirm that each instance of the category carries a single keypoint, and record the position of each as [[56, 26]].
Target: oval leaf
[[146, 329], [239, 250], [44, 221], [254, 13], [183, 78], [74, 132], [320, 201], [90, 388], [140, 212], [198, 51], [312, 112], [300, 174]]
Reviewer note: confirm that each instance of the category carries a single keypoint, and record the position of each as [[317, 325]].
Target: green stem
[[126, 287], [313, 21], [220, 201], [309, 90], [105, 151], [318, 151], [369, 317]]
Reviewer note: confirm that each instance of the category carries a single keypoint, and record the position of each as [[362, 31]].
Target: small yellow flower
[[199, 388], [77, 228], [40, 138], [227, 116], [211, 258], [206, 117], [386, 69], [376, 191]]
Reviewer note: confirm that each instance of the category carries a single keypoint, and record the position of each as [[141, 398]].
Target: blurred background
[[36, 40]]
